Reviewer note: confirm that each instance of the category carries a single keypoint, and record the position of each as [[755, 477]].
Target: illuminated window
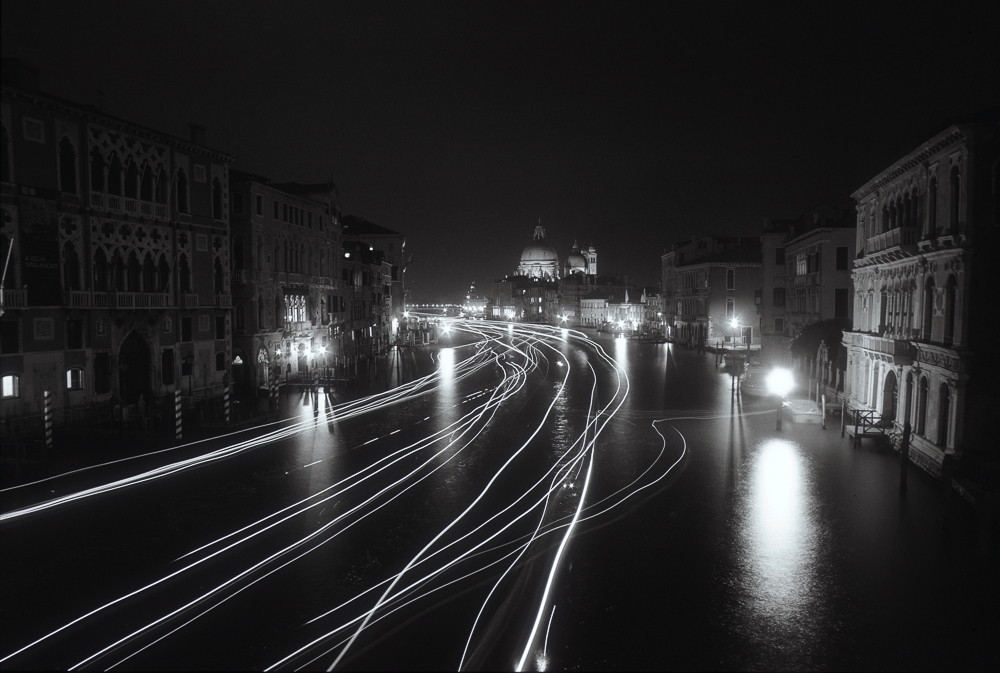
[[12, 385], [74, 379]]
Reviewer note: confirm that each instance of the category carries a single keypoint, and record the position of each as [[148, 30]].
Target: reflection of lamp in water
[[780, 383]]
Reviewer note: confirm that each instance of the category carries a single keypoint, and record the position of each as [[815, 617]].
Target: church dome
[[539, 251], [576, 263], [539, 259]]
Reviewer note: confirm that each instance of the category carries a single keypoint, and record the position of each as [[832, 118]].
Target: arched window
[[944, 415], [238, 252], [71, 268], [216, 199], [928, 309], [160, 191], [730, 308], [260, 313], [907, 211], [217, 276], [115, 175], [892, 216], [885, 220], [950, 294], [118, 272], [182, 191], [922, 407], [67, 166], [148, 274], [889, 397], [163, 275], [954, 198], [100, 271], [260, 253], [241, 317], [134, 273], [908, 399], [883, 310], [279, 311], [284, 266], [97, 170], [184, 275], [146, 184], [730, 279], [132, 180]]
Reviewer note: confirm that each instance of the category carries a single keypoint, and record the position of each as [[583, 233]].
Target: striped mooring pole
[[177, 413], [48, 419], [225, 401], [274, 390]]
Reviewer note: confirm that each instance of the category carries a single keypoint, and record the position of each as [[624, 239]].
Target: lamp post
[[780, 382], [735, 324]]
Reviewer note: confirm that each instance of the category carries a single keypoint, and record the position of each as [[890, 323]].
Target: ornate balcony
[[902, 238], [101, 299], [190, 301], [78, 298], [899, 351], [15, 299]]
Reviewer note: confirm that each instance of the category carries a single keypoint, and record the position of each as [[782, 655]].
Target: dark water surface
[[706, 541]]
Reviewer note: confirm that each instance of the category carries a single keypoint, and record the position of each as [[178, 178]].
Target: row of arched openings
[[896, 314], [919, 425], [904, 210]]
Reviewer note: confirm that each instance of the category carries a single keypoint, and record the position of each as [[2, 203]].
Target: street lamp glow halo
[[780, 381]]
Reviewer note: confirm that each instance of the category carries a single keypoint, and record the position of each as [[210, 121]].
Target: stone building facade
[[805, 276], [921, 349], [117, 291], [288, 303]]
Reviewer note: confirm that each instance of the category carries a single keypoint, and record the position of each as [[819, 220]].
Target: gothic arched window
[[97, 170], [67, 166], [182, 191], [146, 183], [950, 295], [954, 197], [71, 268], [115, 175], [928, 309]]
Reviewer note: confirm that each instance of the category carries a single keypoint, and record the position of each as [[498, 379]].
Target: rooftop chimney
[[197, 134]]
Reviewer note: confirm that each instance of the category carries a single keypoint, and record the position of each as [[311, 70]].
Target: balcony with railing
[[78, 298], [242, 276], [902, 351], [191, 301], [129, 205], [223, 301], [904, 238], [101, 299], [15, 299]]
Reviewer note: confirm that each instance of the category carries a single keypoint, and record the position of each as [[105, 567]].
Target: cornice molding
[[950, 136]]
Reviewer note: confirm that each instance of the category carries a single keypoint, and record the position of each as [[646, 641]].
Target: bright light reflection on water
[[780, 535]]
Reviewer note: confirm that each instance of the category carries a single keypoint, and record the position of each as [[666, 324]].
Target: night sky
[[460, 125]]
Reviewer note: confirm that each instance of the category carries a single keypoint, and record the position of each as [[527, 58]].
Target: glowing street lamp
[[780, 383]]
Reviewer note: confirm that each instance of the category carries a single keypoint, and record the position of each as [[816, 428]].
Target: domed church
[[581, 262], [539, 259]]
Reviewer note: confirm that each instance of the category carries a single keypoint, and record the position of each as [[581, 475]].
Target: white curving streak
[[488, 543]]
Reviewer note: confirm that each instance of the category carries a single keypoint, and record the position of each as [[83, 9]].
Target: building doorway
[[133, 369]]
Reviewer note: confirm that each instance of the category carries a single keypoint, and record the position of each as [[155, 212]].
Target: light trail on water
[[525, 509]]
